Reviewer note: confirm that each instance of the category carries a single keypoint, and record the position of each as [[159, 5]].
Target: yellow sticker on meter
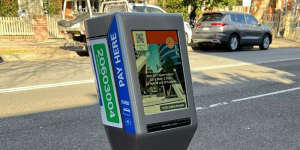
[[140, 40]]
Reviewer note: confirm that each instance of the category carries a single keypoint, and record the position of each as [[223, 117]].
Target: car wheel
[[233, 43], [265, 44]]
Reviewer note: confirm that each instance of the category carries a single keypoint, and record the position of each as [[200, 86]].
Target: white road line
[[200, 108], [278, 60], [247, 98], [264, 95], [218, 104], [241, 64], [43, 86]]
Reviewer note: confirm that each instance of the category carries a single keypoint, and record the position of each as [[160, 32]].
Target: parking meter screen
[[160, 71]]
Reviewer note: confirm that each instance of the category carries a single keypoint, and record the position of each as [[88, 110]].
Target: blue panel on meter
[[120, 77]]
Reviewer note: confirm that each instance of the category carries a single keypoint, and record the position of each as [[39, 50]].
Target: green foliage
[[174, 6], [52, 7], [181, 6], [193, 3], [209, 4], [8, 8], [221, 3]]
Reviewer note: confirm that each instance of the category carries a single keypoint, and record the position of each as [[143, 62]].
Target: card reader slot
[[168, 124]]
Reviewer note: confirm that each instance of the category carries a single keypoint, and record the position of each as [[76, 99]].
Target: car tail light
[[198, 25], [218, 24]]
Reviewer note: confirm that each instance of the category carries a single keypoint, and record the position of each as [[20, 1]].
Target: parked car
[[74, 14], [231, 29], [72, 24], [147, 8]]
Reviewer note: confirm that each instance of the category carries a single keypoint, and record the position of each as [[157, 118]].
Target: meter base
[[179, 137]]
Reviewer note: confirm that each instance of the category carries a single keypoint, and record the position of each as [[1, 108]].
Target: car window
[[238, 18], [233, 18], [139, 9], [212, 17], [153, 10], [251, 20]]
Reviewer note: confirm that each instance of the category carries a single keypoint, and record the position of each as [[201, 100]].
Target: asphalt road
[[245, 100]]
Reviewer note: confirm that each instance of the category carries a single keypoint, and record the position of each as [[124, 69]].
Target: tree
[[210, 4], [197, 5], [53, 7], [193, 3], [174, 6], [8, 8], [221, 3], [253, 6], [181, 6], [261, 9]]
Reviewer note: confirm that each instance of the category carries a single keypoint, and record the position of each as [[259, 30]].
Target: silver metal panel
[[174, 138], [98, 26], [141, 21]]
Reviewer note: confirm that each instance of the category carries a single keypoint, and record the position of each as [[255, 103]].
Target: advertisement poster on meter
[[160, 71]]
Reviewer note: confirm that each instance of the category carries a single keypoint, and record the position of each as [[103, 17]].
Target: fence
[[15, 26], [53, 29], [294, 32], [23, 28], [277, 23]]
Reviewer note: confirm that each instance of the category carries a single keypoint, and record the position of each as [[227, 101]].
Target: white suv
[[147, 8]]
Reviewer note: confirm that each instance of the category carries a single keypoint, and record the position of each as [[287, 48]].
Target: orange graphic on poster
[[170, 42], [159, 37]]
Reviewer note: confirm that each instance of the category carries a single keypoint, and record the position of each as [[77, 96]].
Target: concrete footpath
[[282, 43], [35, 51], [54, 49]]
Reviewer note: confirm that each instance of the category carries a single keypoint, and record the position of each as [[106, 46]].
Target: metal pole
[[64, 10], [285, 6], [41, 7], [89, 7], [295, 8], [19, 5], [75, 5]]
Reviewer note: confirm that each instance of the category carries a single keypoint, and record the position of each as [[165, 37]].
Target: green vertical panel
[[105, 77]]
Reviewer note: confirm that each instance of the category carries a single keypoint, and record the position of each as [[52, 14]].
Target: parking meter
[[143, 80]]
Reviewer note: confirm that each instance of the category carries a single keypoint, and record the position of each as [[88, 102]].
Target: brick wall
[[40, 27], [273, 5]]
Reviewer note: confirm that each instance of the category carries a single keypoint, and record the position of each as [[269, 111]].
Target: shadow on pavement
[[80, 50], [74, 128], [22, 73], [242, 74], [218, 71]]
